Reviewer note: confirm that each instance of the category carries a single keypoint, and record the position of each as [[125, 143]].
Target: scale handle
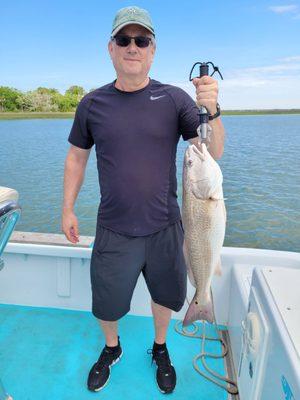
[[203, 69]]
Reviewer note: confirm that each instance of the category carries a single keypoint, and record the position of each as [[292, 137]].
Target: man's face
[[132, 61]]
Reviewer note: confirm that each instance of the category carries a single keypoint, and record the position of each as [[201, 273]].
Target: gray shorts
[[118, 259]]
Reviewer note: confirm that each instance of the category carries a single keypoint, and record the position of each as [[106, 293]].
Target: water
[[260, 165]]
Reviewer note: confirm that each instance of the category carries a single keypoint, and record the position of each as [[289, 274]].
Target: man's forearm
[[73, 178], [217, 138]]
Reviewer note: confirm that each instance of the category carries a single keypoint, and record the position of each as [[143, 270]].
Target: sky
[[60, 43]]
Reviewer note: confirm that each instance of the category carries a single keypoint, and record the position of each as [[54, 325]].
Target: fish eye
[[190, 162]]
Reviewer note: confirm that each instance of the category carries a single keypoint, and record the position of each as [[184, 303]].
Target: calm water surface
[[260, 165]]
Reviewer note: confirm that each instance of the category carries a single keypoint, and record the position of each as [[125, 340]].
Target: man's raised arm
[[217, 138]]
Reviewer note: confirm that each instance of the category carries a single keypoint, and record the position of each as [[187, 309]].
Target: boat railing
[[10, 212]]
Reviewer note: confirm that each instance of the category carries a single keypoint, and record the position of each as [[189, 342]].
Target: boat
[[49, 338]]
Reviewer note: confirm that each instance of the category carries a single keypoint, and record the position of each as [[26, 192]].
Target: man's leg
[[165, 373], [162, 316], [111, 253], [110, 329], [166, 277], [110, 355]]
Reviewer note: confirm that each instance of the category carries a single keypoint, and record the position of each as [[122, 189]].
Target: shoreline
[[34, 115], [70, 114]]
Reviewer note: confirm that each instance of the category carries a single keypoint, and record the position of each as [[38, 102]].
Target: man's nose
[[132, 47]]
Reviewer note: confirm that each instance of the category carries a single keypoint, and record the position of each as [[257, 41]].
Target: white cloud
[[284, 9], [289, 59], [273, 86], [275, 69]]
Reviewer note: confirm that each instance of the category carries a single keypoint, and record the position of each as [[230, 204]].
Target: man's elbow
[[217, 154], [216, 151]]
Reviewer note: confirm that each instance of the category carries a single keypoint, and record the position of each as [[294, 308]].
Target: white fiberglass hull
[[57, 275]]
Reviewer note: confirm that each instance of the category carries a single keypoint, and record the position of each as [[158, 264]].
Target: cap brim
[[116, 30]]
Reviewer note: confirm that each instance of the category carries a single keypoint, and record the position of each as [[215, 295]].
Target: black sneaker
[[100, 372], [165, 373]]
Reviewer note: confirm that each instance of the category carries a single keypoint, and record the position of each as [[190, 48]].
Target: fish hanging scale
[[204, 129]]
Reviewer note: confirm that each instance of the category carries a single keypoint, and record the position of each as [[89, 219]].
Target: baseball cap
[[132, 15]]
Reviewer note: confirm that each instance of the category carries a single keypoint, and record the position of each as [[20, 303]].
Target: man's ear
[[153, 48]]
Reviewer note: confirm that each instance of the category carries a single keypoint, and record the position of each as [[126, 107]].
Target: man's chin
[[132, 71]]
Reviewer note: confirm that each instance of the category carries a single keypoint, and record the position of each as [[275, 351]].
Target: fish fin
[[218, 268], [196, 312], [188, 266]]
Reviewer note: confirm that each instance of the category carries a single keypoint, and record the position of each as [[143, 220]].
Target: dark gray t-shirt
[[136, 136]]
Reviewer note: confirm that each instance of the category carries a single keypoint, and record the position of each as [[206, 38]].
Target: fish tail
[[197, 312]]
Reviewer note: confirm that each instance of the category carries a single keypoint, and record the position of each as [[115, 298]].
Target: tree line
[[41, 99]]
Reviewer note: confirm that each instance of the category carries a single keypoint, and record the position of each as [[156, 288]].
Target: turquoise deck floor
[[47, 353]]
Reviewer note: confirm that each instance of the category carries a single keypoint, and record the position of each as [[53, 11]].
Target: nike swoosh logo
[[157, 97]]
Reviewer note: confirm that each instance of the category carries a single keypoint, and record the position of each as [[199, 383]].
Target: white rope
[[232, 387]]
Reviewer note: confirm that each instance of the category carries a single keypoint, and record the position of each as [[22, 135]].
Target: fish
[[204, 223]]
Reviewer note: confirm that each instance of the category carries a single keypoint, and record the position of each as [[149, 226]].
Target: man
[[135, 123]]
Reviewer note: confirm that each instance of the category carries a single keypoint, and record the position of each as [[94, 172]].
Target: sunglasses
[[125, 40]]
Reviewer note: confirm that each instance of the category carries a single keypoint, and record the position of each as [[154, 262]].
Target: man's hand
[[69, 226], [207, 93]]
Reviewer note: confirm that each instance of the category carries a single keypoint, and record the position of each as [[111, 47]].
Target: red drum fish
[[204, 220]]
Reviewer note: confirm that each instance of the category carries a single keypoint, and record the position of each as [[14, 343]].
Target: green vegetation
[[38, 115], [50, 103], [261, 112], [40, 100]]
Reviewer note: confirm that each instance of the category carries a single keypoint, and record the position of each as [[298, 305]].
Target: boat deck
[[46, 353]]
